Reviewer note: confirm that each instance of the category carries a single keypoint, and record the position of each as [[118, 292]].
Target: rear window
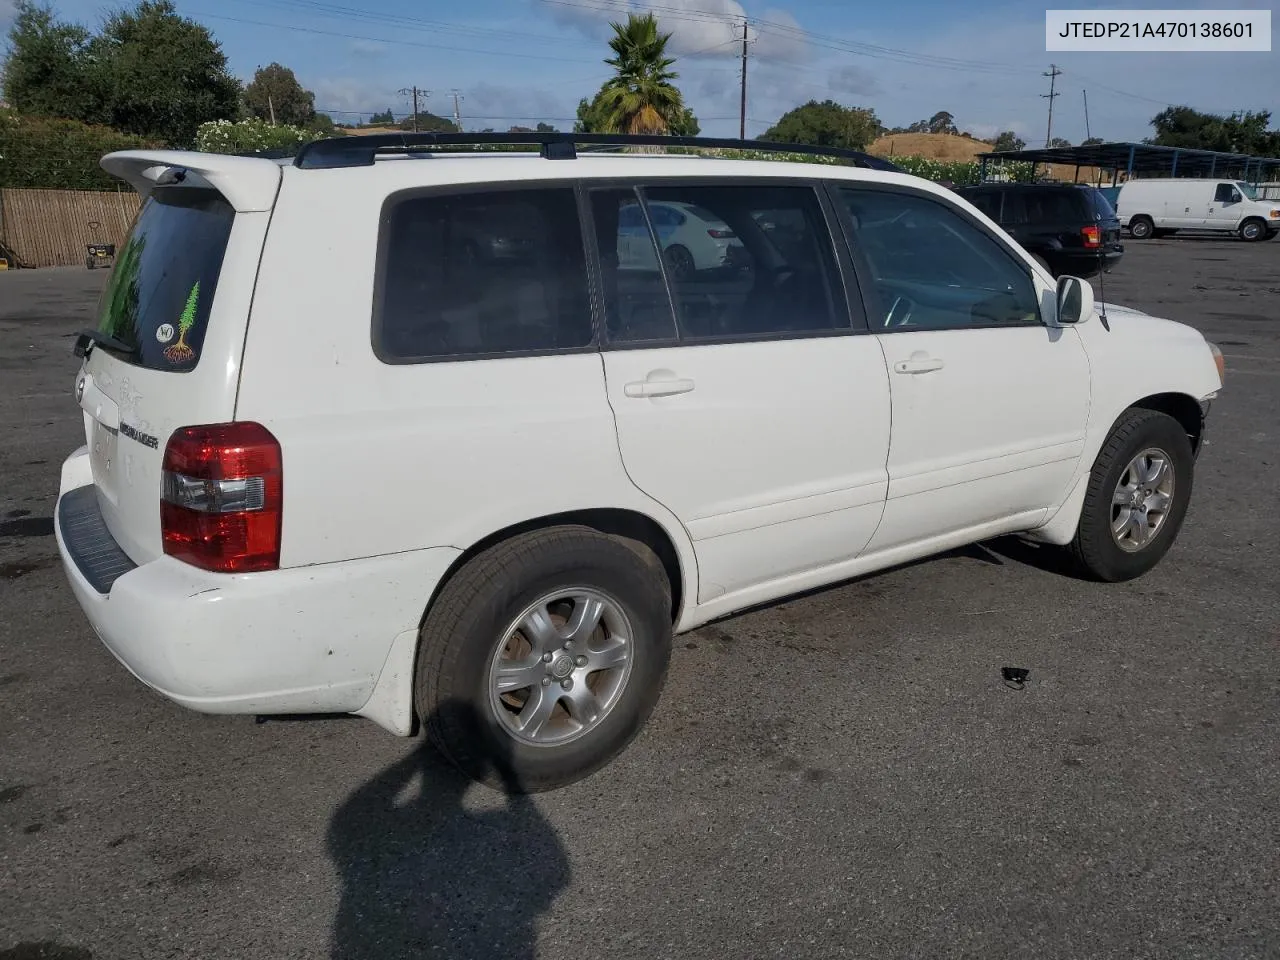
[[1045, 207], [1100, 205], [482, 274], [988, 201], [157, 301]]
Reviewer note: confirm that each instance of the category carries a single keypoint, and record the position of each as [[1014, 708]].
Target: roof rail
[[360, 151]]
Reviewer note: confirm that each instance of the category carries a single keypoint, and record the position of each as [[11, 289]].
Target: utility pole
[[742, 109], [457, 114], [1087, 134], [271, 108], [414, 92], [1052, 73]]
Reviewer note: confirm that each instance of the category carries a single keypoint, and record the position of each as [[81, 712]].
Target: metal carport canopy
[[1147, 159]]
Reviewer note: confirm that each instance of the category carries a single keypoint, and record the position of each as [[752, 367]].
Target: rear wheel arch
[[637, 529]]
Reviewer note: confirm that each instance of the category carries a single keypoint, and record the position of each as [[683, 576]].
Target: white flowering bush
[[249, 136]]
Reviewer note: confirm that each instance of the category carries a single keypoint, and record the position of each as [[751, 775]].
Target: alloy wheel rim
[[1142, 500], [561, 666]]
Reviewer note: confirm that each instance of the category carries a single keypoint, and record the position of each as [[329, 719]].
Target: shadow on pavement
[[422, 876]]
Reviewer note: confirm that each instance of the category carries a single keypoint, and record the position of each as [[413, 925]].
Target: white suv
[[389, 432]]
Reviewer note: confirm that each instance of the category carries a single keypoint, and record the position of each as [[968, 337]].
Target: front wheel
[[1141, 228], [1252, 230], [543, 656], [1138, 495]]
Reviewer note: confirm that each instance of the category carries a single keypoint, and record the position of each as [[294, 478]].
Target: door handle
[[657, 388], [918, 365]]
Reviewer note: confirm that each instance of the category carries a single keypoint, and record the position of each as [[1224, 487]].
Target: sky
[[521, 61]]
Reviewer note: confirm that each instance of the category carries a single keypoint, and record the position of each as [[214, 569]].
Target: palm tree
[[641, 98]]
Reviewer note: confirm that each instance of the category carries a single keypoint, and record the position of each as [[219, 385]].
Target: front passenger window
[[933, 269]]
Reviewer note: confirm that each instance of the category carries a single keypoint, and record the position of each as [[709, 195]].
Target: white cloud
[[853, 79], [703, 28], [499, 106], [346, 97]]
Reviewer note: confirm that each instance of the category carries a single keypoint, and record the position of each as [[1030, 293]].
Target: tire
[[1096, 549], [467, 628], [1141, 228], [1253, 230], [679, 262], [1271, 235]]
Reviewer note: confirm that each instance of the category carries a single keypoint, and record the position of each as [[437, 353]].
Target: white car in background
[[692, 239]]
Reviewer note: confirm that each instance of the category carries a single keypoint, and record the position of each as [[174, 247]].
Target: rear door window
[[487, 273], [156, 304], [988, 201]]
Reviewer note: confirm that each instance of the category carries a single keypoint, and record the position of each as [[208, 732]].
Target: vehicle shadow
[[424, 876]]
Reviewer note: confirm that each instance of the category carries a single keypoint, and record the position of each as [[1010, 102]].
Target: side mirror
[[1075, 300]]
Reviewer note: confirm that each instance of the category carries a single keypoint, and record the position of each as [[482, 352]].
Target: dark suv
[[1070, 228]]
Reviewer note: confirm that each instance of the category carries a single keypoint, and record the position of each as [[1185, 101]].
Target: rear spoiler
[[249, 183]]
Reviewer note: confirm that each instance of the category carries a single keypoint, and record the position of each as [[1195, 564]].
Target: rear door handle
[[917, 365], [657, 388]]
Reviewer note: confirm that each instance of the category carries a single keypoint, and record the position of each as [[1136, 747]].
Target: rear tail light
[[720, 234], [1092, 236], [222, 494]]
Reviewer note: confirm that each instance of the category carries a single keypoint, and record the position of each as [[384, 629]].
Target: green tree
[[159, 74], [429, 123], [941, 122], [1059, 142], [1240, 132], [641, 97], [384, 119], [1092, 142], [45, 72], [275, 94], [1007, 140], [826, 124], [545, 128]]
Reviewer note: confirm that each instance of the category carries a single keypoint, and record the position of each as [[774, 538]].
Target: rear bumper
[[302, 640]]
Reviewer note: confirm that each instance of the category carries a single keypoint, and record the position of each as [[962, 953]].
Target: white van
[[1153, 208], [479, 475]]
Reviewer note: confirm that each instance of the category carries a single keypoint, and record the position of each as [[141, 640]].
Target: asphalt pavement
[[840, 775]]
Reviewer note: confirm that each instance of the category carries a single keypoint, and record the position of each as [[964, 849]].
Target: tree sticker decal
[[178, 351]]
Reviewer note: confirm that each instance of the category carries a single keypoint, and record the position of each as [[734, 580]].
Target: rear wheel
[[1141, 228], [543, 656], [1138, 495], [679, 262], [1253, 230]]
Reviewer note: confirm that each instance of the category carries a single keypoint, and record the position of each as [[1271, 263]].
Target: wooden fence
[[49, 228]]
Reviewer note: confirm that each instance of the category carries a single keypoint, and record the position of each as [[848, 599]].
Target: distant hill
[[934, 146], [945, 146]]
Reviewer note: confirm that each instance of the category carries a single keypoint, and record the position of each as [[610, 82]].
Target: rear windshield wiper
[[88, 339]]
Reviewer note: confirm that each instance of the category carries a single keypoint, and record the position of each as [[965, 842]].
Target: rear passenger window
[[739, 262], [482, 274], [988, 201]]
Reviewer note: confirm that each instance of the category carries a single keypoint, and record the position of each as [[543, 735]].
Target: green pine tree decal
[[178, 351]]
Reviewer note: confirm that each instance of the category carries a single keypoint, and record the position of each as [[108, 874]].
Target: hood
[[1132, 320]]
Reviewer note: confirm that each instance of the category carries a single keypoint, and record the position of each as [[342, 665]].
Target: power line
[[406, 43]]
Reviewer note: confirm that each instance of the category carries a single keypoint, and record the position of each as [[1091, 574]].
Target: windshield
[[1247, 190], [157, 300]]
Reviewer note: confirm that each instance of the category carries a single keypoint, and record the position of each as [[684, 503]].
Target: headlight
[[1219, 362]]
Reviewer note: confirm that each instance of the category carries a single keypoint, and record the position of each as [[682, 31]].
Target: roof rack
[[360, 151]]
